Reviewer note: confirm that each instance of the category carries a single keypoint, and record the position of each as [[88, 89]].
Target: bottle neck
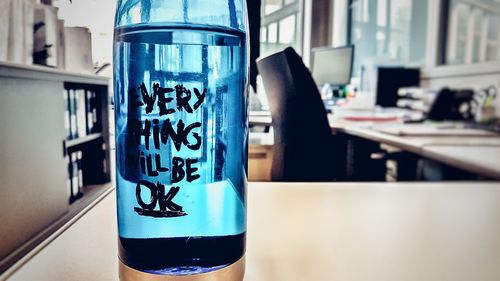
[[222, 13]]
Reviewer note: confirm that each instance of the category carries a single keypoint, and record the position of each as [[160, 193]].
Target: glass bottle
[[180, 82]]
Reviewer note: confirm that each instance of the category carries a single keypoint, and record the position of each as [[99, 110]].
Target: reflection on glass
[[271, 6], [287, 30], [280, 26], [273, 33], [263, 34], [388, 32]]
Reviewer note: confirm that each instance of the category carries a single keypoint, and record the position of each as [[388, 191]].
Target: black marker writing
[[164, 132]]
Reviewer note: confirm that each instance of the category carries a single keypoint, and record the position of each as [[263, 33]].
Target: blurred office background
[[408, 90]]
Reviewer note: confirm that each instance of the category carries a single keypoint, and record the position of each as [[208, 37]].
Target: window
[[473, 35], [281, 25], [388, 32]]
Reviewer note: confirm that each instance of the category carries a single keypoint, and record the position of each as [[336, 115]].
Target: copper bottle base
[[234, 272]]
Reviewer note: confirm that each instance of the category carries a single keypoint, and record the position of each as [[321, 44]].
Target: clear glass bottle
[[180, 85]]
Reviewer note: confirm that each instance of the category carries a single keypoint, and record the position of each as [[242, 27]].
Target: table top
[[322, 231]]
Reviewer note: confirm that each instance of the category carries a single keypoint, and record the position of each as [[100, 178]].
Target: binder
[[80, 173], [72, 110], [90, 112], [69, 182], [71, 179], [67, 125], [94, 107], [80, 113], [74, 177]]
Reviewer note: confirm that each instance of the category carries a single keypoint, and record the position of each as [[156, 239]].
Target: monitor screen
[[332, 65]]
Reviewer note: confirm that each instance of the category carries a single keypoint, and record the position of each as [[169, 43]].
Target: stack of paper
[[15, 51], [46, 37], [78, 53], [29, 21], [4, 28], [16, 26], [61, 60]]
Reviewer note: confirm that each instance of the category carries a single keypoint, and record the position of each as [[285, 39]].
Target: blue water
[[181, 135]]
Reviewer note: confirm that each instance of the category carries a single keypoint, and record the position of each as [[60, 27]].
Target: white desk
[[260, 120], [416, 144], [448, 149], [335, 231], [474, 153], [483, 160]]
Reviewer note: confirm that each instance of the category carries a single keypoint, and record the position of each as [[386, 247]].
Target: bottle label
[[167, 159], [181, 133], [161, 132]]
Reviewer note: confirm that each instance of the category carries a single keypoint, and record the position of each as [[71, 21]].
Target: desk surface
[[474, 154], [415, 144], [337, 231], [369, 130], [483, 160]]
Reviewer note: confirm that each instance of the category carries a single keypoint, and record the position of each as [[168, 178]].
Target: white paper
[[28, 25], [16, 32], [4, 28]]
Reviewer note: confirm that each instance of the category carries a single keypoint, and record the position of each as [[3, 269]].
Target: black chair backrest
[[302, 148]]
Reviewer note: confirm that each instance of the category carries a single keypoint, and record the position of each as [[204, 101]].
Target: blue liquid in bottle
[[181, 137]]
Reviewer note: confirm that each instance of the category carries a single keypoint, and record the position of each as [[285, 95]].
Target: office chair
[[302, 138]]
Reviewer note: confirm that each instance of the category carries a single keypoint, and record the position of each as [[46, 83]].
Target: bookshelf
[[36, 152], [86, 129]]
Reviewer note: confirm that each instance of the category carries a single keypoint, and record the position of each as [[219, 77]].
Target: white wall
[[339, 23]]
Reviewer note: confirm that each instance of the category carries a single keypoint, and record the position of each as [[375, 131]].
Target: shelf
[[82, 140], [46, 73]]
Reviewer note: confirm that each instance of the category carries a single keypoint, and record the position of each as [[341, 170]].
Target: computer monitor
[[332, 66]]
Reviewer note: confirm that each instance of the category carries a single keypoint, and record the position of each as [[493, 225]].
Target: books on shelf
[[79, 171], [81, 104], [67, 127], [91, 111], [75, 176], [80, 114], [72, 115]]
